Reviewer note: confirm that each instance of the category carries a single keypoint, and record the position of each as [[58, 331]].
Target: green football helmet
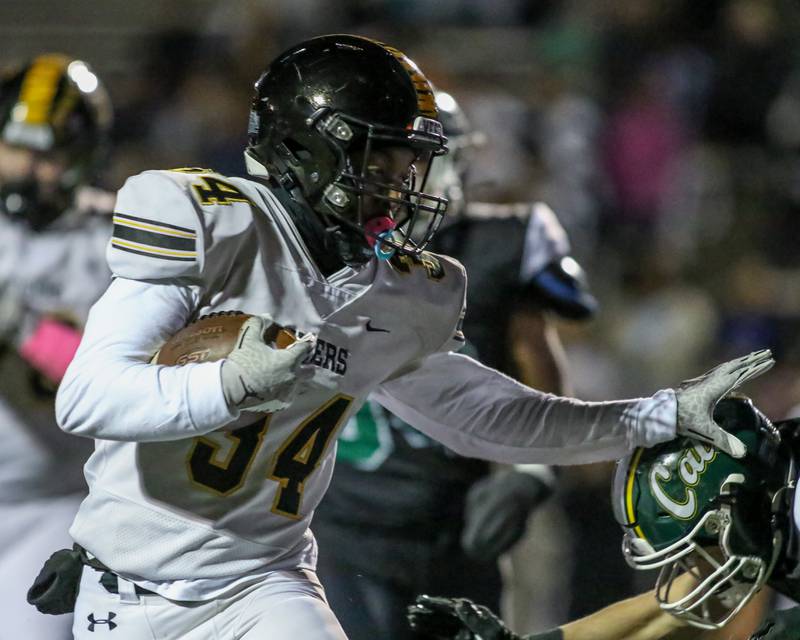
[[686, 507]]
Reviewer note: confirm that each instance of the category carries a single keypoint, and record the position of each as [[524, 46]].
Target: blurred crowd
[[665, 135]]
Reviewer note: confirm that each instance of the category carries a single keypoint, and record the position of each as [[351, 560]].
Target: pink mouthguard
[[375, 227], [51, 348]]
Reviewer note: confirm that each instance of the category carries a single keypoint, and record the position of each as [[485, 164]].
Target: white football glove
[[698, 397], [258, 377]]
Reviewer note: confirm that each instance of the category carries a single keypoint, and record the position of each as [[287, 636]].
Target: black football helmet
[[55, 105], [322, 112]]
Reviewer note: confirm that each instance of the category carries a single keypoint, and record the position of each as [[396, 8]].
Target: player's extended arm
[[498, 507], [479, 412], [638, 618], [111, 392]]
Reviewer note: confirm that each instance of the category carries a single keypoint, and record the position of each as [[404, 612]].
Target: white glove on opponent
[[258, 377], [698, 397]]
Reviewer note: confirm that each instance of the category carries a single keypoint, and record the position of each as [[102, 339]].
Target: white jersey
[[192, 511], [58, 272]]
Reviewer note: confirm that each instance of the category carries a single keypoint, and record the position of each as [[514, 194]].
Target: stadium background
[[666, 136]]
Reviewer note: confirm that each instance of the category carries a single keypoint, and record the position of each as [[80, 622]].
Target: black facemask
[[22, 200]]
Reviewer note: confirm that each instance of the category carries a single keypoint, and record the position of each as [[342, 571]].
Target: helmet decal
[[39, 90], [691, 466], [425, 100], [630, 513]]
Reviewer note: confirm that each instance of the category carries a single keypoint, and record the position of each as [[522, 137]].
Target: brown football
[[213, 337]]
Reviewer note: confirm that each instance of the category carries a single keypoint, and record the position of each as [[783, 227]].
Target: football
[[213, 337]]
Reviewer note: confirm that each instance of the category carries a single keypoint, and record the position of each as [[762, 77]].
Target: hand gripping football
[[213, 337]]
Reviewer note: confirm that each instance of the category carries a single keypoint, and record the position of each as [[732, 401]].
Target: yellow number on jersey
[[211, 190]]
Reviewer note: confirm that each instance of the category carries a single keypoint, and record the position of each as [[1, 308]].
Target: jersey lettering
[[432, 265], [211, 190], [192, 170], [299, 456], [226, 476], [293, 463], [328, 356]]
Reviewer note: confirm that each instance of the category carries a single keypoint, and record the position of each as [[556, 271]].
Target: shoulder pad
[[561, 287], [455, 339], [428, 262], [546, 241], [447, 262], [210, 189], [448, 285], [157, 232]]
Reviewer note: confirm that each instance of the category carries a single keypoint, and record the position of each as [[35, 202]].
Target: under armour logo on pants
[[111, 625]]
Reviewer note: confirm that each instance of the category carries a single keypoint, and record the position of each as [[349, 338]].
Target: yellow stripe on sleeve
[[155, 251], [153, 227]]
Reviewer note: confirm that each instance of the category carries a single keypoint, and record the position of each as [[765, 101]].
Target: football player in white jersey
[[205, 477], [54, 117], [401, 505]]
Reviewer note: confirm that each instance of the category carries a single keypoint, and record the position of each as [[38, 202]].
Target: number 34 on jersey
[[294, 460]]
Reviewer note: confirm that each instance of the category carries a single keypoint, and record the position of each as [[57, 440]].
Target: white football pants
[[287, 605]]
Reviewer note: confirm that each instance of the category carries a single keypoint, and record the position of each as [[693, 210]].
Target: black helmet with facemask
[[323, 112], [54, 106]]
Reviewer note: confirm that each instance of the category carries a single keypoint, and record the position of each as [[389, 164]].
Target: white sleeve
[[157, 232], [481, 413], [110, 391]]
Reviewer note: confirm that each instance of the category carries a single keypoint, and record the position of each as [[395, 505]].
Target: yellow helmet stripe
[[425, 100], [629, 491], [39, 89]]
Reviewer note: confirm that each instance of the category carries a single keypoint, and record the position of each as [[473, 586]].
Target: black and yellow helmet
[[686, 507], [330, 100], [53, 104]]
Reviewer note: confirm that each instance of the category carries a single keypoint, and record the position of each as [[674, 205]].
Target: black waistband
[[109, 578], [109, 582]]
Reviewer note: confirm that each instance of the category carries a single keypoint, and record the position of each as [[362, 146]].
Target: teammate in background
[[400, 506], [54, 119], [205, 476], [717, 528]]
